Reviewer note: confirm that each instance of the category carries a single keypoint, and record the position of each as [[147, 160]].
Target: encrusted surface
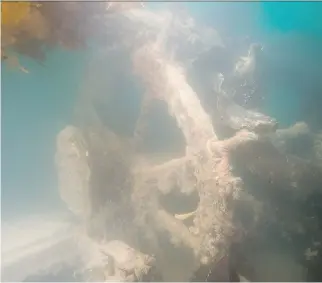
[[97, 179]]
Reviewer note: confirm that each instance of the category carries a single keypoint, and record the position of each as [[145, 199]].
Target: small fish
[[13, 63], [218, 81], [185, 216], [247, 64]]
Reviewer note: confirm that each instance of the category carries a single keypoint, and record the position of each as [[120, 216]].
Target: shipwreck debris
[[212, 167]]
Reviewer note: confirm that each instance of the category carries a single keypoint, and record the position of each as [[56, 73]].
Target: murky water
[[95, 90]]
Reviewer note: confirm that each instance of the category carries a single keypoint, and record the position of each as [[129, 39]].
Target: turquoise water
[[278, 22], [37, 105]]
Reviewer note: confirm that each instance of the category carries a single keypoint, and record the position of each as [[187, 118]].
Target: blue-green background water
[[37, 105]]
